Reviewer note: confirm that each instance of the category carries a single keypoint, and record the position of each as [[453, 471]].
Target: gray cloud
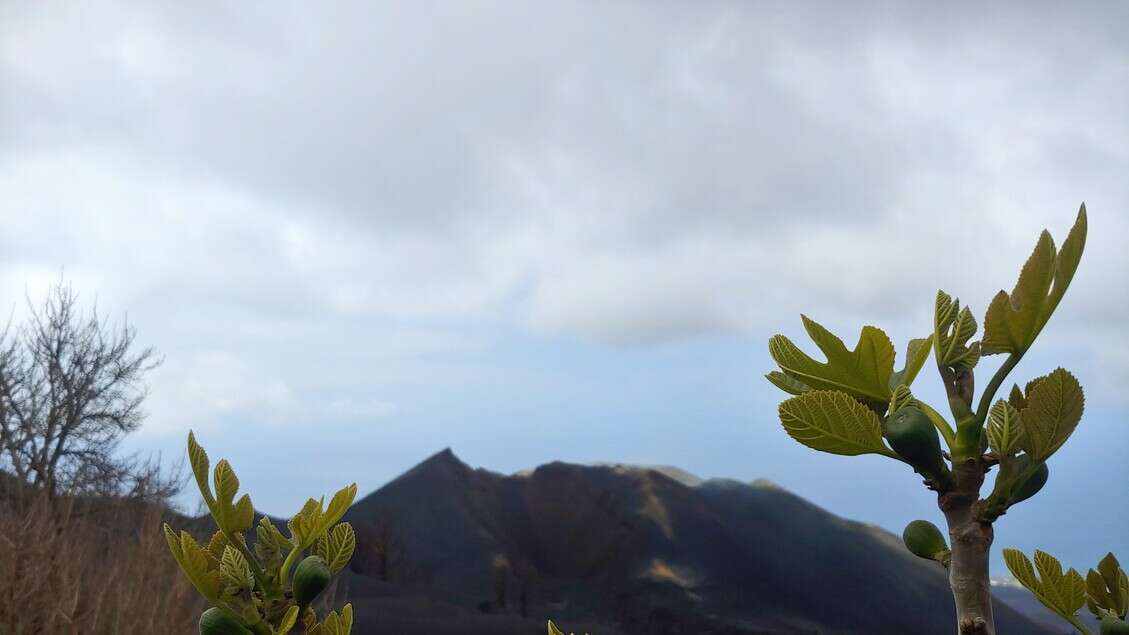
[[627, 173]]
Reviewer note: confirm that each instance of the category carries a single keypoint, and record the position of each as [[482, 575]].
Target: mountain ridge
[[635, 549]]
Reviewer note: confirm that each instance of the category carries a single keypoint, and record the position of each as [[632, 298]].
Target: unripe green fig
[[310, 579], [216, 621], [1113, 626], [925, 540], [911, 434], [1033, 484]]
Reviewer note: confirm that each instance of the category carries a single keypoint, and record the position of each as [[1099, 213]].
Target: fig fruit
[[925, 540], [310, 579], [216, 621], [912, 435]]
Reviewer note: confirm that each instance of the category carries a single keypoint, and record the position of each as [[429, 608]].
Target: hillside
[[597, 546]]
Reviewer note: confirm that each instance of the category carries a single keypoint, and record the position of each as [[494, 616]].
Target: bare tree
[[525, 574], [7, 425], [71, 386], [501, 572]]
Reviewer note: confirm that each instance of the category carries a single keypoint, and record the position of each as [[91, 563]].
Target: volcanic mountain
[[613, 549]]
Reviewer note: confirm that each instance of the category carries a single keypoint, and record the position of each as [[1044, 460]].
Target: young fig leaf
[[786, 383], [952, 328], [1054, 408], [917, 353], [243, 514], [198, 458], [288, 621], [1004, 430], [235, 570], [901, 398], [1062, 593], [1014, 320], [1107, 588], [863, 372], [227, 484], [834, 422], [1016, 398], [336, 546]]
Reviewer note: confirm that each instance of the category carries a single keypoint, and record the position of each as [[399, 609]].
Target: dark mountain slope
[[636, 548]]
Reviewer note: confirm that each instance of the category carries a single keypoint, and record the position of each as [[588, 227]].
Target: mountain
[[615, 549]]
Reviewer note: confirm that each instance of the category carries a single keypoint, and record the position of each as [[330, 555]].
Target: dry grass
[[99, 568]]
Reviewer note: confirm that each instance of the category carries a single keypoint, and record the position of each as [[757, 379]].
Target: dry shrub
[[94, 567]]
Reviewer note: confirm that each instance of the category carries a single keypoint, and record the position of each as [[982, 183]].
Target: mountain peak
[[443, 461], [446, 455]]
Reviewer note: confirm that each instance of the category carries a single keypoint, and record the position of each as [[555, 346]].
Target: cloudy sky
[[566, 231]]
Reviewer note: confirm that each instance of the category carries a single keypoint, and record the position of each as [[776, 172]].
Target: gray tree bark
[[969, 539]]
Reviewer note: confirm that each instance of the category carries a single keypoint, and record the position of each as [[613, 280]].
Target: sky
[[360, 233]]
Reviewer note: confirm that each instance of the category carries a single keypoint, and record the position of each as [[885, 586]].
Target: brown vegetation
[[73, 566]]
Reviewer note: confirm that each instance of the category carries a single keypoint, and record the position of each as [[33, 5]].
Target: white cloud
[[355, 179], [361, 409], [199, 389]]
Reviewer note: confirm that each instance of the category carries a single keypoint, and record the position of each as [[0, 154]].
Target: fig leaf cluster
[[1104, 590], [266, 586], [858, 402]]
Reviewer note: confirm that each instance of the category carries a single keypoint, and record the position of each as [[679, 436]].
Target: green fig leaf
[[917, 353], [338, 505], [336, 546], [235, 570], [786, 383], [902, 397], [346, 619], [834, 422], [1097, 596], [193, 561], [298, 531], [1014, 321], [193, 554], [335, 624], [304, 525], [174, 542], [198, 459], [1054, 408], [1107, 588], [1062, 593], [270, 544], [226, 483], [864, 372], [952, 328], [243, 514], [1016, 398], [217, 544], [288, 621], [1004, 429]]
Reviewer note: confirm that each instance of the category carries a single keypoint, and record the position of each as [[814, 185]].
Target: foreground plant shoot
[[857, 403], [1105, 591], [553, 630], [252, 592]]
